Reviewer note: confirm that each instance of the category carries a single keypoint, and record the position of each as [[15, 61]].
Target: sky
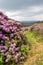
[[22, 10]]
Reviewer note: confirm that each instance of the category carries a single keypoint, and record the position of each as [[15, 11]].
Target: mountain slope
[[35, 55]]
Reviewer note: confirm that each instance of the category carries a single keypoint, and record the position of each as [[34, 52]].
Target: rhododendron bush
[[13, 47]]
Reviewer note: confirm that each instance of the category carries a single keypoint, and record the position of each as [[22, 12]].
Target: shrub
[[12, 41]]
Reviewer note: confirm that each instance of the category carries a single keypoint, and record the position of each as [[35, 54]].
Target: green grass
[[30, 37], [39, 60], [33, 38], [38, 36]]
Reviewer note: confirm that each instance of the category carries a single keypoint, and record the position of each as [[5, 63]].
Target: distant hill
[[37, 26], [28, 23]]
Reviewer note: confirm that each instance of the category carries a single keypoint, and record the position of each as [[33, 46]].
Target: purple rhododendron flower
[[10, 39]]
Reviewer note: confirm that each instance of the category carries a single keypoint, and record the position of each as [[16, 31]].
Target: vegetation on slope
[[35, 55], [13, 45], [37, 30]]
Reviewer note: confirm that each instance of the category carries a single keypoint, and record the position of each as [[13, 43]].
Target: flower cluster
[[12, 41], [37, 27]]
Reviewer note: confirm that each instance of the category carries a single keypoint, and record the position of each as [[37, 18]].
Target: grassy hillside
[[35, 38], [37, 30], [35, 55]]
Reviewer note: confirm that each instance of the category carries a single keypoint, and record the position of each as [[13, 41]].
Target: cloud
[[31, 13], [22, 9], [19, 4]]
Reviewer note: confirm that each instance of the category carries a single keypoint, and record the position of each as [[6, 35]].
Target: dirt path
[[35, 52]]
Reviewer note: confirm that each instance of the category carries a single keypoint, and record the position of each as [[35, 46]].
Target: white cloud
[[38, 17], [12, 13], [30, 13], [36, 9]]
